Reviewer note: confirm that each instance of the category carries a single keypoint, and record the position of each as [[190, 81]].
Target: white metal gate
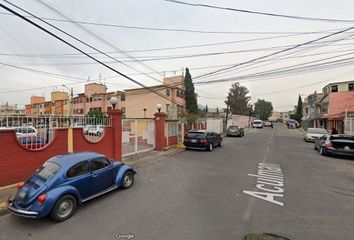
[[349, 126], [138, 136]]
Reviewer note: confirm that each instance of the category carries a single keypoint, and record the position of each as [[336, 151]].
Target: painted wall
[[18, 163]]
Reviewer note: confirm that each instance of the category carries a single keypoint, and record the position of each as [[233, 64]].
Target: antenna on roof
[[88, 78], [100, 78]]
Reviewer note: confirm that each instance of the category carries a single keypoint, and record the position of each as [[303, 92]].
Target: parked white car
[[311, 134], [257, 124], [25, 131], [95, 130]]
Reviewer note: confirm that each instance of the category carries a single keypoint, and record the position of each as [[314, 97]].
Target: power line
[[275, 53], [283, 72], [163, 29], [102, 39], [53, 55], [168, 57], [263, 13], [288, 56], [76, 48]]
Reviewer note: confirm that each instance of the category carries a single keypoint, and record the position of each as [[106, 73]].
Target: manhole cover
[[264, 236]]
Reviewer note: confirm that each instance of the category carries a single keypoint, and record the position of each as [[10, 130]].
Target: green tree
[[206, 108], [238, 101], [96, 116], [190, 96], [95, 113], [263, 109], [299, 109], [189, 118]]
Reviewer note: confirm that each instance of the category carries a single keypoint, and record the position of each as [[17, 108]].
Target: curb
[[3, 209], [8, 187], [143, 161], [3, 205], [133, 160]]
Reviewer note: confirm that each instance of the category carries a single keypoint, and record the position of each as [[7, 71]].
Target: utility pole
[[227, 110]]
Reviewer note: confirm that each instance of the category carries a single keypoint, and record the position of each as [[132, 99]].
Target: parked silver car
[[311, 134], [235, 131]]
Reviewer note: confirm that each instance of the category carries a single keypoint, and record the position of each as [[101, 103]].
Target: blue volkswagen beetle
[[67, 180]]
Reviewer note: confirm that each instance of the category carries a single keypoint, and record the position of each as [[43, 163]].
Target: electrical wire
[[162, 29], [78, 49], [168, 57], [275, 53], [264, 13], [102, 39]]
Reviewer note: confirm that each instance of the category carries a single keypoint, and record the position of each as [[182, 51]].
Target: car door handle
[[94, 175]]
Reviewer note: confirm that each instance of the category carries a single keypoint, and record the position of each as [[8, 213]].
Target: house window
[[122, 97], [167, 92], [172, 129], [177, 93], [334, 88], [351, 87]]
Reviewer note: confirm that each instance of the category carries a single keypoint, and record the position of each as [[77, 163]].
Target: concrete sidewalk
[[137, 160]]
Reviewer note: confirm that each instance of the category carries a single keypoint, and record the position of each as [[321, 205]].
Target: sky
[[27, 54]]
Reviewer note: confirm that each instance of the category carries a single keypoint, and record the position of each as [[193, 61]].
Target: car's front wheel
[[220, 143], [128, 180], [64, 208]]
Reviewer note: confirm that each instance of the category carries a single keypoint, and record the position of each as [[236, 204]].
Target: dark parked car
[[65, 181], [335, 145], [235, 131], [202, 139]]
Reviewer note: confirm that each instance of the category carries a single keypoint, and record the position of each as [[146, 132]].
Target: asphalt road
[[199, 195]]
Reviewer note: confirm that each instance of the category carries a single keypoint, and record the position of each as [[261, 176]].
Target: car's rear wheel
[[128, 180], [211, 147], [64, 208]]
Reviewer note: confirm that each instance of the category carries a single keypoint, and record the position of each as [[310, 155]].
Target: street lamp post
[[113, 101], [144, 112], [159, 107]]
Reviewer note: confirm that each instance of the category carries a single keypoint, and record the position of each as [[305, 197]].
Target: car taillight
[[20, 185], [329, 145], [42, 198], [186, 140], [203, 141]]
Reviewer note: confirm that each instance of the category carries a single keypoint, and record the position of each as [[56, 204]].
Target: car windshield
[[47, 170], [197, 135], [233, 128], [317, 130], [257, 122]]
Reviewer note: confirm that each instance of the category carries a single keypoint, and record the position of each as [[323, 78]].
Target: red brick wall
[[18, 163], [172, 140], [104, 146]]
